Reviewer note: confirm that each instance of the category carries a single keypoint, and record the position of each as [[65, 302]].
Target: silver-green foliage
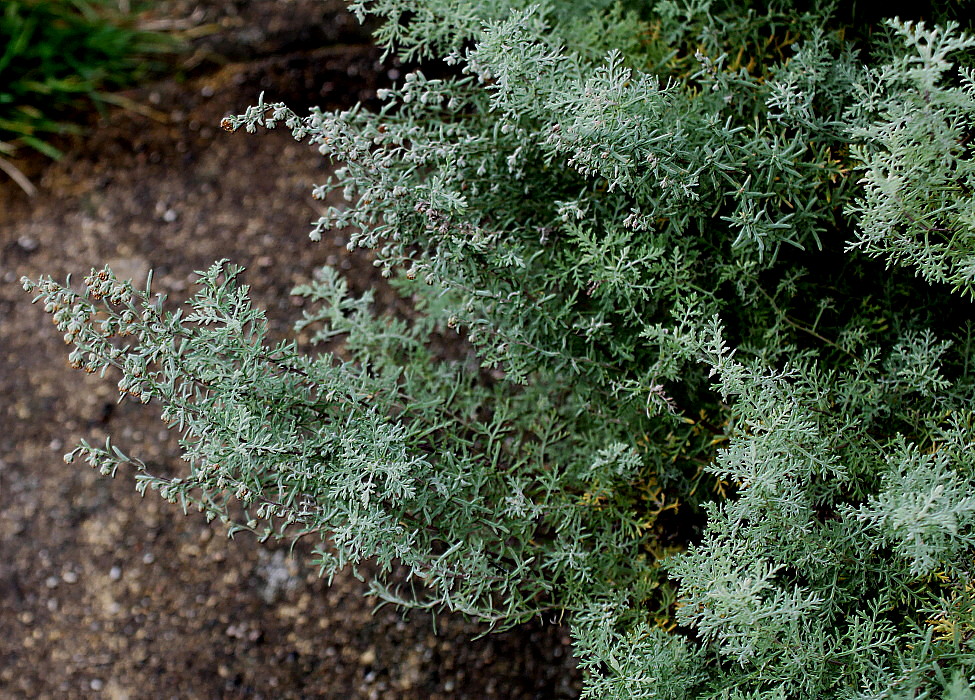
[[918, 205], [648, 237]]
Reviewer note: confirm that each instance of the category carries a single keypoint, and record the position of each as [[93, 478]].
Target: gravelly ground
[[106, 594]]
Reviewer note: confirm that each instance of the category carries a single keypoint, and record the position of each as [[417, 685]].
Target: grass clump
[[60, 58]]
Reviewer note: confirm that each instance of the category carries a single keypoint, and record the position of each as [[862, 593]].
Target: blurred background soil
[[105, 593]]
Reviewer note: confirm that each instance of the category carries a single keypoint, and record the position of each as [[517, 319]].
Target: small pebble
[[28, 244]]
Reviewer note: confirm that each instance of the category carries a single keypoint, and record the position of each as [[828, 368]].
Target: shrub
[[710, 264]]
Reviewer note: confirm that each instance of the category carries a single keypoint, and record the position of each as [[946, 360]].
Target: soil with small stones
[[108, 594]]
